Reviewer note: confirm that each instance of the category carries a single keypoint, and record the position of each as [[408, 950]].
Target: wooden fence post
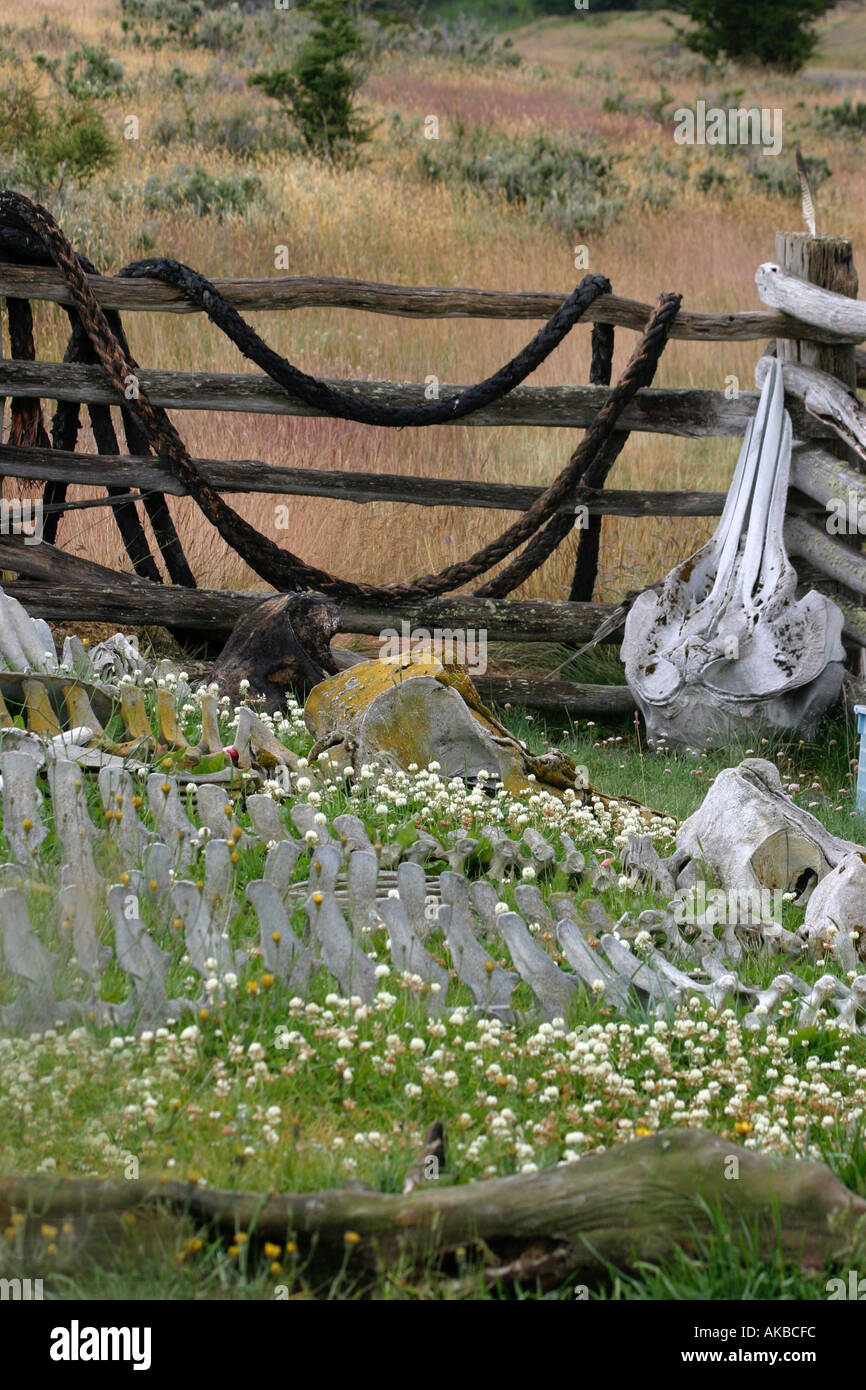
[[827, 261]]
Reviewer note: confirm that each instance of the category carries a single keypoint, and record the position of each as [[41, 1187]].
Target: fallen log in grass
[[633, 1203]]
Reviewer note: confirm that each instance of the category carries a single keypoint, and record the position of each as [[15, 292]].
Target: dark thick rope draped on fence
[[30, 231], [589, 540], [27, 429], [598, 442]]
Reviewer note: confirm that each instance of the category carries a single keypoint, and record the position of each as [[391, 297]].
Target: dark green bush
[[550, 175], [317, 91], [778, 34], [44, 146], [194, 188], [846, 119]]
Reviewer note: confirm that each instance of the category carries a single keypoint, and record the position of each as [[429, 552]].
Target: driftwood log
[[635, 1202], [282, 646]]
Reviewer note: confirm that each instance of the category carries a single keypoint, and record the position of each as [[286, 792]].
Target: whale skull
[[726, 647]]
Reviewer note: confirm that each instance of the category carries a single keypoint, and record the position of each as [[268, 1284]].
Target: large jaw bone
[[726, 640], [749, 835]]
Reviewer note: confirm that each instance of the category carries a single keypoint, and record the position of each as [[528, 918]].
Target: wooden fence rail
[[685, 412], [409, 301], [56, 585]]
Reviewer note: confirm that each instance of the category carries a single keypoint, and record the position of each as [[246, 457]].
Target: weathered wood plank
[[557, 697], [825, 400], [839, 562], [822, 476], [70, 588], [411, 301], [686, 412], [251, 475], [823, 311]]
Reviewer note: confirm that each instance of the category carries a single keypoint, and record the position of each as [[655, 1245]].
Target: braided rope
[[30, 231]]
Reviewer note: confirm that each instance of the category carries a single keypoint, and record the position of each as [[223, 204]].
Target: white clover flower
[[382, 972], [500, 908]]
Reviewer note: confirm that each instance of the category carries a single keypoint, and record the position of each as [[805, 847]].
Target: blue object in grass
[[860, 711]]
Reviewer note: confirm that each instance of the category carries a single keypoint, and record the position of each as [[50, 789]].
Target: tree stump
[[282, 647]]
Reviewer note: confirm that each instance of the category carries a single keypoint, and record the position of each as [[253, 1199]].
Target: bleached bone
[[459, 851], [485, 900], [280, 863], [22, 823], [267, 819], [253, 739], [170, 819], [24, 641], [362, 871], [542, 854], [726, 647], [601, 876], [217, 813], [139, 957], [126, 830], [532, 906], [749, 835], [640, 862], [78, 918], [552, 988], [340, 953], [768, 1001], [424, 848], [589, 966], [715, 990], [156, 869], [640, 976], [852, 1008], [353, 834], [562, 905], [75, 659], [491, 987], [835, 919], [303, 816], [408, 953], [282, 952], [75, 831], [414, 889], [573, 863], [32, 964], [822, 992], [204, 918], [117, 656], [324, 869], [505, 852]]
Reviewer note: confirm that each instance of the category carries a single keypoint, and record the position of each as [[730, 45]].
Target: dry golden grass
[[381, 222]]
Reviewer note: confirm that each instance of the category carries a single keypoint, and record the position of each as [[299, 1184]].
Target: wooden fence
[[816, 327]]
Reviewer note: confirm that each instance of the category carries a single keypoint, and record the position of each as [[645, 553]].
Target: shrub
[[551, 176], [318, 90], [782, 181], [91, 72], [43, 147], [463, 40], [204, 193], [779, 34], [154, 23], [845, 119]]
